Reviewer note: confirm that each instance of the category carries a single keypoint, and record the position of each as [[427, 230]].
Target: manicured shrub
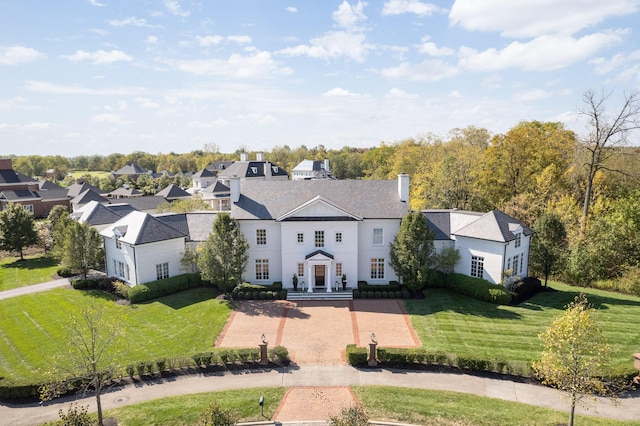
[[255, 295], [378, 294], [406, 294], [356, 356], [470, 362], [398, 294], [214, 415], [130, 369], [522, 290], [121, 289], [356, 293], [392, 356], [64, 272], [280, 355], [75, 416], [141, 367], [478, 288], [371, 294], [350, 416], [153, 290]]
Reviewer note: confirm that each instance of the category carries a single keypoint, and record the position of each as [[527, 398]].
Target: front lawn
[[448, 322], [34, 328], [32, 270]]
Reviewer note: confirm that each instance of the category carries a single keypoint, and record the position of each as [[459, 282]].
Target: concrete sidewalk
[[335, 375], [35, 288]]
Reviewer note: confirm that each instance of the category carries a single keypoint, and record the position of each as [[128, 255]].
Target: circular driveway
[[317, 333]]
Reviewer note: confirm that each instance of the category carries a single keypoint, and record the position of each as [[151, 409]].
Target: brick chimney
[[5, 164]]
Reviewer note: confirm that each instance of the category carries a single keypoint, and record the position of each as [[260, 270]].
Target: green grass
[[452, 323], [418, 406], [429, 407], [185, 410], [32, 270], [34, 328], [79, 173]]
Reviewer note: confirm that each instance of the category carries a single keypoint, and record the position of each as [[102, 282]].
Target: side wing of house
[[480, 258]]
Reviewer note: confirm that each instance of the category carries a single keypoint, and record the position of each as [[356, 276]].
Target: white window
[[378, 236], [377, 268], [118, 244], [261, 237], [301, 269], [319, 238], [522, 264], [515, 265], [300, 237], [254, 170], [338, 269], [28, 207], [162, 271], [518, 239], [338, 237], [508, 264], [262, 269], [477, 266]]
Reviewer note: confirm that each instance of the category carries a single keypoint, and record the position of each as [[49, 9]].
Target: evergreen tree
[[17, 229], [225, 254], [412, 252]]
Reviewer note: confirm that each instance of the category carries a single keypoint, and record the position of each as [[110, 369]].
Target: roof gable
[[493, 226], [173, 191], [142, 228], [317, 207]]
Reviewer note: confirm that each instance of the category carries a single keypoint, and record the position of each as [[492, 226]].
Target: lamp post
[[372, 362], [261, 402], [264, 358]]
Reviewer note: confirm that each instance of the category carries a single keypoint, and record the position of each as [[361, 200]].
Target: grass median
[[16, 273]]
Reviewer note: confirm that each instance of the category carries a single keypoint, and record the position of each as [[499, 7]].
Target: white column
[[309, 279], [327, 278]]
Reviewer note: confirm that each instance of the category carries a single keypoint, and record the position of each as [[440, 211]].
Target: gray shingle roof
[[493, 226], [19, 195], [173, 191], [78, 188], [86, 196], [8, 177], [361, 198], [142, 228], [217, 187], [131, 169], [251, 169], [125, 192], [147, 202], [204, 173], [439, 221], [47, 184], [95, 214]]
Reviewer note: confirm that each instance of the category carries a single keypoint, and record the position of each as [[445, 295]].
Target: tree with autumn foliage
[[575, 355]]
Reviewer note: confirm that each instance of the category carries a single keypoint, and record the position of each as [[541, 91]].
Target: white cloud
[[146, 102], [107, 118], [398, 7], [544, 53], [44, 87], [99, 31], [455, 94], [95, 3], [174, 7], [99, 57], [427, 70], [240, 39], [333, 45], [397, 93], [620, 60], [531, 95], [257, 118], [14, 55], [432, 49], [132, 20], [207, 41], [291, 9], [533, 18], [151, 39], [236, 66], [349, 17]]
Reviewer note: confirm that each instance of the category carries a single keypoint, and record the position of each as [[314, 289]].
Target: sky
[[86, 77]]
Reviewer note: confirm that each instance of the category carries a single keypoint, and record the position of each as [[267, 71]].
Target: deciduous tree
[[412, 253], [225, 254], [17, 229], [82, 248], [91, 361], [548, 245], [575, 354]]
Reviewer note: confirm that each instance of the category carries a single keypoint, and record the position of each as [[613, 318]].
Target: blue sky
[[91, 77]]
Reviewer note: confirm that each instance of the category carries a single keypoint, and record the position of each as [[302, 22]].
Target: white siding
[[491, 251], [272, 250], [367, 250]]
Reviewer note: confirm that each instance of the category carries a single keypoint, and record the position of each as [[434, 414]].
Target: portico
[[319, 265]]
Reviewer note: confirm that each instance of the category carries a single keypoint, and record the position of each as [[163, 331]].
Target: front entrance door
[[319, 274]]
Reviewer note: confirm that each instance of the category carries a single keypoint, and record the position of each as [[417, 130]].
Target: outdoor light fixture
[[263, 338], [373, 338], [261, 402]]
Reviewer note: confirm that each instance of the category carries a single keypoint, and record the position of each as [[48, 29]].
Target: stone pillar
[[636, 364], [372, 362], [264, 353]]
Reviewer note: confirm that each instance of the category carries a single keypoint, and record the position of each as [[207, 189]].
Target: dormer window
[[275, 169], [518, 239], [254, 170]]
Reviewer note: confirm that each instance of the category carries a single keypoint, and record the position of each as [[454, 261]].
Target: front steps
[[319, 294]]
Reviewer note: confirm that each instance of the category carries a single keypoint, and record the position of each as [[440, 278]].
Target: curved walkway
[[34, 288], [324, 376]]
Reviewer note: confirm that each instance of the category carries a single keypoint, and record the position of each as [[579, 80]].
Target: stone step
[[320, 295]]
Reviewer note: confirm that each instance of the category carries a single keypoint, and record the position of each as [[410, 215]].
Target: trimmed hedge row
[[392, 286], [478, 288], [143, 292], [524, 289], [381, 294], [246, 291]]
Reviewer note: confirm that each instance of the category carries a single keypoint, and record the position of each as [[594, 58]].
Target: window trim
[[377, 268], [319, 238], [262, 269], [261, 237], [338, 237], [162, 270], [300, 238], [375, 237], [477, 267]]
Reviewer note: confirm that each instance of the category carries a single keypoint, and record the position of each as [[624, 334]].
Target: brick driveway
[[317, 332]]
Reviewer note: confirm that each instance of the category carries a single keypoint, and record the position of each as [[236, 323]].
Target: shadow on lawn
[[442, 300], [558, 299], [33, 263]]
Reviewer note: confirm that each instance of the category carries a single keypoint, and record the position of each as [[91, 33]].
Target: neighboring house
[[311, 169], [131, 170], [125, 192], [203, 178], [85, 197], [218, 196], [173, 192], [21, 189], [253, 170], [491, 245]]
